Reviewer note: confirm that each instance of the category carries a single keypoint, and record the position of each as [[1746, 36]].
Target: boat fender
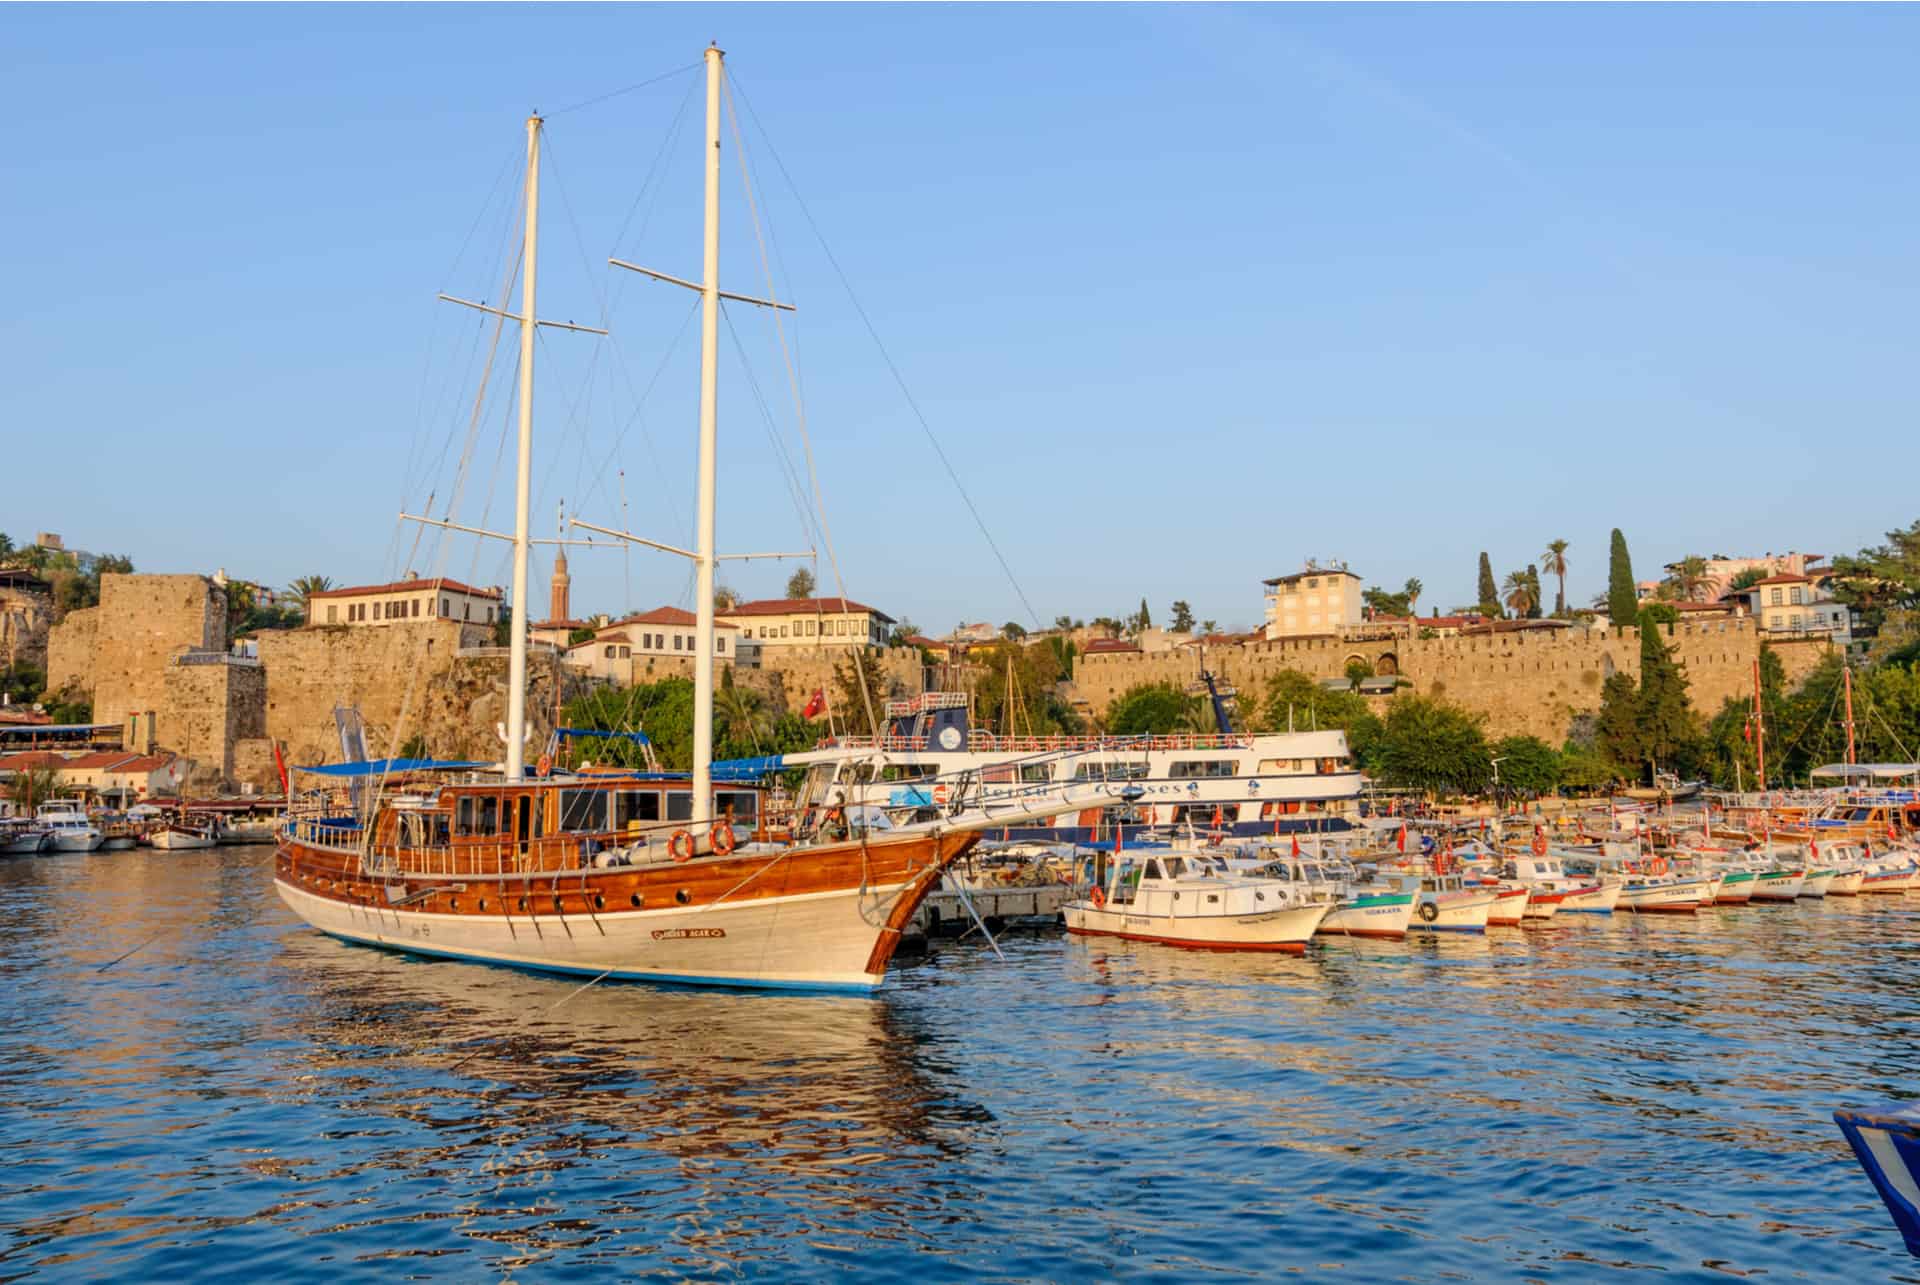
[[1429, 911], [1098, 896], [545, 766], [680, 846], [724, 839]]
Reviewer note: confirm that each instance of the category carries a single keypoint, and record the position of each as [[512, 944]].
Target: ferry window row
[[1112, 770], [1183, 769]]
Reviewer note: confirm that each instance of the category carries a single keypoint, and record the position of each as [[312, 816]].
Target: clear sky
[[1188, 294]]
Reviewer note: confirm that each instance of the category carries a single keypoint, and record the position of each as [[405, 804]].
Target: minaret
[[562, 583]]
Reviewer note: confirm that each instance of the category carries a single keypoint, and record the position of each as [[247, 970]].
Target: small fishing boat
[[174, 836], [1450, 903], [1510, 902], [1191, 898], [1548, 884], [1364, 905], [71, 831], [1886, 1142], [1780, 884]]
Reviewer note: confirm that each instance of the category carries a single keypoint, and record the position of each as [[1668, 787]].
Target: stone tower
[[562, 585]]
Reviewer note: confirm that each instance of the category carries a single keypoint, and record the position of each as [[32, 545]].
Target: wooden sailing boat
[[621, 877]]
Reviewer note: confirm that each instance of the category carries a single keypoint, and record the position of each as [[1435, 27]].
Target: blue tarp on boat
[[382, 767], [638, 738], [750, 769]]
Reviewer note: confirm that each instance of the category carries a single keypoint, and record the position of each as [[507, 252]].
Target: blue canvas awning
[[382, 767], [748, 769]]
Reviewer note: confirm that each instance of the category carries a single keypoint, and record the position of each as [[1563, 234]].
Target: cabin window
[[486, 815], [463, 816], [583, 810], [634, 807], [1111, 770], [1036, 773], [1153, 870], [1204, 768], [743, 804], [680, 806], [997, 774]]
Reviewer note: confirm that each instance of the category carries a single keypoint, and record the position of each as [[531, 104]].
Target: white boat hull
[[816, 941], [76, 841], [1287, 929], [1680, 897], [1818, 883], [175, 840], [1598, 900], [1452, 912], [1779, 885], [1387, 915], [1846, 883]]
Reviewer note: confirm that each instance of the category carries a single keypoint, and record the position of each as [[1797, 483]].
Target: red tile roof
[[29, 759], [1725, 604], [1782, 578], [145, 763], [921, 640], [803, 607], [666, 616], [98, 759], [1097, 646], [560, 624], [403, 586], [615, 637]]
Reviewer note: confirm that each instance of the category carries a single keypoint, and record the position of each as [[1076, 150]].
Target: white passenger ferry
[[1232, 783]]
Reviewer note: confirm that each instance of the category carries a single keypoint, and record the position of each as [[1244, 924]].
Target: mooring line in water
[[587, 985], [117, 958]]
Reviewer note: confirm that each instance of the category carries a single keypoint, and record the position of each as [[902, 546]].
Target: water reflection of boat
[[782, 1091], [1887, 1145]]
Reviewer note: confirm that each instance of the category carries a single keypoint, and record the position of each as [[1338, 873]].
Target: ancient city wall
[[1532, 681], [25, 618], [121, 652], [211, 703]]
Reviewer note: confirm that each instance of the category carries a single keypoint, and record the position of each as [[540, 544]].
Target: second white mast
[[709, 448], [517, 627]]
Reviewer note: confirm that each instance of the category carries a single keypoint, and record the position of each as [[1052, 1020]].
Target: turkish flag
[[1400, 841], [815, 703], [1296, 845], [280, 764]]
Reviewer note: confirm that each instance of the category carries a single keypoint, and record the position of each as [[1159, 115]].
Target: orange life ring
[[1098, 896], [680, 846], [1539, 845], [544, 766], [723, 838]]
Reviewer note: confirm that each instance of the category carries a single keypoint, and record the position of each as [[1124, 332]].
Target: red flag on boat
[[815, 703], [1296, 845], [1217, 818], [1813, 849], [1400, 841], [280, 764]]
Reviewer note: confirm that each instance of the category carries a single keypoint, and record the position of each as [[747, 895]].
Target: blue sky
[[1188, 294]]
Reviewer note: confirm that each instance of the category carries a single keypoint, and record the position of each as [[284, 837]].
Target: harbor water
[[1590, 1098]]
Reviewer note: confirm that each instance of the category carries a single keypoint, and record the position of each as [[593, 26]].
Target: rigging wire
[[873, 333], [615, 93]]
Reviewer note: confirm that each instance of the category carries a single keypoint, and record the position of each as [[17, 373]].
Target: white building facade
[[1318, 600]]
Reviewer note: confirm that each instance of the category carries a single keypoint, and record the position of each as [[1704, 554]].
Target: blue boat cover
[[381, 767], [748, 769]]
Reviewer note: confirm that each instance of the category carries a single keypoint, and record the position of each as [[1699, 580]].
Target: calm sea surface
[[243, 1097]]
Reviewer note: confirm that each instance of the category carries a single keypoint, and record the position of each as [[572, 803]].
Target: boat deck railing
[[979, 741]]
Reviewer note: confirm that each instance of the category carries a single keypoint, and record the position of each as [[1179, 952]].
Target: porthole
[[523, 905], [636, 901], [599, 902], [683, 896], [558, 906], [483, 903]]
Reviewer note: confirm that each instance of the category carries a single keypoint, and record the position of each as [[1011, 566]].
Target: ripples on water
[[243, 1095]]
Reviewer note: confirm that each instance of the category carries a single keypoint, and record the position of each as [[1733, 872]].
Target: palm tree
[[1554, 563], [1413, 590], [1690, 576], [1519, 593], [743, 716], [306, 586]]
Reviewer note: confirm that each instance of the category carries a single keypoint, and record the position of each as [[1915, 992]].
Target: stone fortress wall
[[1525, 682]]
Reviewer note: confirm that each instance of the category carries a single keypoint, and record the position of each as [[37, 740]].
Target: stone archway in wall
[[1386, 665]]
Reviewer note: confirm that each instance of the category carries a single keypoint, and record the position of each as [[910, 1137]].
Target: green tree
[[1182, 622], [1382, 603], [1528, 765], [1659, 613], [1357, 671], [503, 626], [1881, 579], [1688, 578], [1208, 628], [1413, 589], [742, 721], [1533, 592], [1489, 587], [724, 598], [1668, 732], [902, 631], [6, 547], [860, 670], [1584, 766], [1427, 744], [1155, 709], [1745, 580], [1145, 618], [1554, 563], [1063, 623], [1623, 604], [585, 633], [1013, 631], [800, 584]]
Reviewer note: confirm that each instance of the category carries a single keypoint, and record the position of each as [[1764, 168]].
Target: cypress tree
[[1623, 605], [1489, 588], [1664, 716], [1533, 583]]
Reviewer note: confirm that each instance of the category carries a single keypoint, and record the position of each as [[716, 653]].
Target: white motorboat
[[178, 835], [1450, 903], [1364, 906], [71, 831], [1192, 898], [1548, 883], [23, 836]]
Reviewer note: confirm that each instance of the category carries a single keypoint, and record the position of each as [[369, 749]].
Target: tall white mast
[[709, 436], [517, 648]]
